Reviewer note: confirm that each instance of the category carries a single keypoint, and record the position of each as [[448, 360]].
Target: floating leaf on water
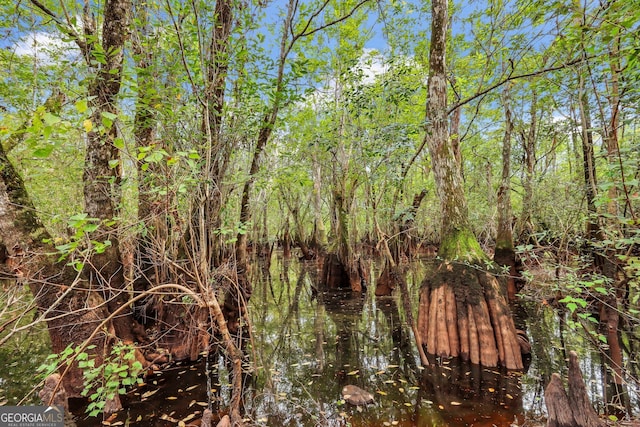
[[401, 390], [441, 407], [395, 423], [310, 382], [407, 404], [402, 380], [509, 396], [172, 398], [456, 403], [192, 387], [149, 393], [353, 372], [384, 393], [139, 418], [168, 418], [491, 389], [182, 372], [392, 366], [193, 402], [359, 408], [189, 417], [380, 372], [389, 382], [293, 365], [343, 414], [181, 424], [386, 423], [263, 420], [413, 387], [202, 403]]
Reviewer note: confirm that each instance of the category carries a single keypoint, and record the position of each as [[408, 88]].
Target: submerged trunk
[[341, 269], [462, 310]]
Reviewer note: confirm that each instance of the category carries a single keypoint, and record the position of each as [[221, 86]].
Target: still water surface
[[305, 346]]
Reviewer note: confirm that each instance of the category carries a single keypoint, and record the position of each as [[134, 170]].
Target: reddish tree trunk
[[571, 409]]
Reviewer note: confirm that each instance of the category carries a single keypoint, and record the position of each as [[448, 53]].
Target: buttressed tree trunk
[[462, 309]]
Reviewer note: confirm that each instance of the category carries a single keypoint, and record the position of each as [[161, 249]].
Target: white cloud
[[372, 64], [44, 47]]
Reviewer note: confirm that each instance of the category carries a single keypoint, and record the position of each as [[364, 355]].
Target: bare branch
[[65, 27], [306, 33], [516, 77]]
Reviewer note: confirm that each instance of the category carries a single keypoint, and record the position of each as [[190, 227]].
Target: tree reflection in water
[[305, 346]]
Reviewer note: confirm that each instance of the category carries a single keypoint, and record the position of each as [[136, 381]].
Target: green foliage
[[81, 245], [102, 381]]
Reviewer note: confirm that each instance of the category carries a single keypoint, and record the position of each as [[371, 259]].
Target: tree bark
[[53, 284], [526, 228], [462, 309], [504, 254], [571, 409], [588, 162]]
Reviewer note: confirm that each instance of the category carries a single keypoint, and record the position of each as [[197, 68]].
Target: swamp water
[[306, 346]]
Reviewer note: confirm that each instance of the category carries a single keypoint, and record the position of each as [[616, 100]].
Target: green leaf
[[81, 106], [109, 116], [51, 119], [43, 152], [154, 157]]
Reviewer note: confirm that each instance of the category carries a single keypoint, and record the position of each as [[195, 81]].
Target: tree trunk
[[101, 180], [319, 238], [462, 310], [505, 254], [571, 409], [526, 228], [71, 314], [588, 162]]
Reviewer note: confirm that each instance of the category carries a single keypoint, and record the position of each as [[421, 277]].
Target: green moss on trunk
[[461, 244]]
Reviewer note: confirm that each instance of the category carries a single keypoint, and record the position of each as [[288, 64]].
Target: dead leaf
[[149, 393]]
